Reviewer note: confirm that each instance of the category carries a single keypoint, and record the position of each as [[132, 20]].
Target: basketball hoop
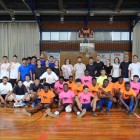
[[87, 53]]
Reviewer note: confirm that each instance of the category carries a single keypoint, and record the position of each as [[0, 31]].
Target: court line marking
[[137, 115], [45, 135], [18, 133]]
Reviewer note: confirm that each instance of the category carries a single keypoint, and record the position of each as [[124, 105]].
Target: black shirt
[[98, 67], [20, 91], [108, 69], [92, 69], [56, 71], [34, 88], [124, 68], [45, 68]]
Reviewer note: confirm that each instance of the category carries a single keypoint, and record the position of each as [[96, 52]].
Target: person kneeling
[[47, 98], [127, 98], [67, 100], [83, 101]]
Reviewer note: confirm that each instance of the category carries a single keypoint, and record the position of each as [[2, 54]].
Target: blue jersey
[[51, 65], [32, 67], [42, 62]]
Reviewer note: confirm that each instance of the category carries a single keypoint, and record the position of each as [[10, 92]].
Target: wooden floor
[[118, 126]]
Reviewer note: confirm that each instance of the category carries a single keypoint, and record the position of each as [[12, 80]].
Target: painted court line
[[136, 115], [45, 135]]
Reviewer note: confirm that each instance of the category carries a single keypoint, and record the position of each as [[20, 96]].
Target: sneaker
[[2, 104], [56, 102], [26, 105], [7, 104], [82, 113], [38, 101], [26, 112], [126, 110], [101, 110], [46, 112], [51, 114], [107, 112], [93, 113], [33, 104], [130, 114]]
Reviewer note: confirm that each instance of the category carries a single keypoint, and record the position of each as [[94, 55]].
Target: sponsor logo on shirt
[[4, 90], [4, 68], [86, 81], [65, 98], [78, 91], [49, 79], [85, 100], [44, 97], [134, 88], [60, 88], [126, 95], [13, 67]]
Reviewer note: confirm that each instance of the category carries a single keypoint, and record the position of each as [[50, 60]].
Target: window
[[116, 36], [124, 35], [71, 35], [108, 36], [55, 36], [63, 35], [98, 36], [46, 36]]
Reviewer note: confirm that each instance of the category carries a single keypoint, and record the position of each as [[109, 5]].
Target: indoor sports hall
[[69, 40]]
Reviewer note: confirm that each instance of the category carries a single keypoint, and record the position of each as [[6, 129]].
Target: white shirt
[[4, 89], [14, 70], [135, 69], [79, 68], [4, 71], [115, 70], [52, 78], [27, 85]]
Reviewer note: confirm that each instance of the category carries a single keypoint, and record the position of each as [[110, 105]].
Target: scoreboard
[[86, 33]]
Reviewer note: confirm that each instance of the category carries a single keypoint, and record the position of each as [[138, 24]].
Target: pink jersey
[[135, 87], [85, 98], [86, 80], [59, 87], [66, 97]]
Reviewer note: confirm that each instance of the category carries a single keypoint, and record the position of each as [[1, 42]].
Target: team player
[[83, 101], [128, 98], [93, 87], [111, 84], [5, 91], [135, 85], [70, 83], [51, 63], [19, 94], [3, 68], [50, 77], [104, 97], [47, 98], [78, 87], [102, 77], [86, 79], [33, 63], [28, 82], [34, 88], [29, 60], [13, 68], [67, 98], [42, 58]]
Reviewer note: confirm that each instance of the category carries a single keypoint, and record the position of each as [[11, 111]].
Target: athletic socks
[[56, 113], [131, 105], [78, 113], [109, 105]]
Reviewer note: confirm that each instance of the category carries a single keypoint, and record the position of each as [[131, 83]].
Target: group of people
[[95, 84]]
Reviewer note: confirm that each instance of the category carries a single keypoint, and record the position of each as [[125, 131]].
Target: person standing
[[56, 69], [67, 69], [115, 70], [107, 67], [124, 68], [42, 56], [134, 68], [13, 68], [46, 65], [3, 68], [79, 68], [51, 63], [91, 67], [33, 63], [24, 69], [99, 65]]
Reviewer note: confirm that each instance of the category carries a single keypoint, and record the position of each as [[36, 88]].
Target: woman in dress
[[67, 69]]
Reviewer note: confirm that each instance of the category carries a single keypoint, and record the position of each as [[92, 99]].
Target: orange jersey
[[70, 85], [119, 86], [111, 85], [46, 97], [107, 89], [127, 94], [93, 89], [77, 90]]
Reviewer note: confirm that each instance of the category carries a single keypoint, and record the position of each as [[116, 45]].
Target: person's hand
[[38, 90], [11, 63], [17, 79], [16, 102], [101, 89], [34, 54], [132, 112], [20, 102], [8, 79], [128, 109], [129, 80], [70, 105]]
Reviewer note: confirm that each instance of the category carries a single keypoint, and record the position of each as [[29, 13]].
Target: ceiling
[[70, 9]]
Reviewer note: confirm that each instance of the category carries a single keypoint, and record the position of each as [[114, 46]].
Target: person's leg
[[27, 99], [78, 104], [33, 101], [2, 98], [29, 113], [109, 104], [77, 112], [99, 105], [132, 99], [93, 105], [138, 97]]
